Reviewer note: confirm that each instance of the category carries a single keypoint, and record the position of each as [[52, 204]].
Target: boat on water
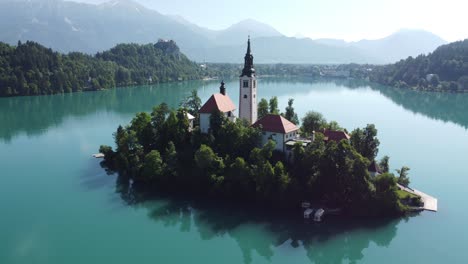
[[308, 213], [319, 215]]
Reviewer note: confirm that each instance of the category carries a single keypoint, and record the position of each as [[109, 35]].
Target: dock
[[430, 203], [98, 155]]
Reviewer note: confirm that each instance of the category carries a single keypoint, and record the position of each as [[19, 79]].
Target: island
[[259, 158]]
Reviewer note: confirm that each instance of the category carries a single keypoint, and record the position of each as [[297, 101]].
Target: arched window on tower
[[245, 96], [245, 84]]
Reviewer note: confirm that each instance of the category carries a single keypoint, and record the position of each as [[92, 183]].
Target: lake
[[59, 206]]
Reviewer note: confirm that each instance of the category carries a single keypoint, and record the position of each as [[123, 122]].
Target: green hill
[[32, 69], [446, 69]]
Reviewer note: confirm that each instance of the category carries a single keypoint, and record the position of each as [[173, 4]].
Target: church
[[274, 127]]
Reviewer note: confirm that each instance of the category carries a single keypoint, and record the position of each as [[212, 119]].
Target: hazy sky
[[344, 19]]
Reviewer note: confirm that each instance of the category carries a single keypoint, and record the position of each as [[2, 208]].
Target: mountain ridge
[[69, 26]]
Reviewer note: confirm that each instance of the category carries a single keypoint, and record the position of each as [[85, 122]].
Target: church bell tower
[[248, 89]]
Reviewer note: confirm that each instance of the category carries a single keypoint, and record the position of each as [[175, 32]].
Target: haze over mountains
[[69, 26]]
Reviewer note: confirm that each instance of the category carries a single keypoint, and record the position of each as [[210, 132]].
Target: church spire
[[248, 62]]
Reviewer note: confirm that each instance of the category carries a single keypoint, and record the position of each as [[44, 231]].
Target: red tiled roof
[[335, 135], [275, 123], [218, 101]]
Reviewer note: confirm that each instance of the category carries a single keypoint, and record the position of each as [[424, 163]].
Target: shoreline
[[208, 79]]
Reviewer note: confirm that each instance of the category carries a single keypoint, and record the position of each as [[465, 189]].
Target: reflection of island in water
[[33, 115], [448, 107], [330, 242]]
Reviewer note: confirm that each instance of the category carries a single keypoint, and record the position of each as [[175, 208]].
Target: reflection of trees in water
[[33, 115], [333, 241], [448, 107]]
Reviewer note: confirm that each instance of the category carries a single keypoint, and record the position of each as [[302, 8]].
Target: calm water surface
[[58, 206]]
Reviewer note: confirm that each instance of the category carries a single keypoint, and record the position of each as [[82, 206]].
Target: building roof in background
[[275, 123], [218, 101], [335, 135]]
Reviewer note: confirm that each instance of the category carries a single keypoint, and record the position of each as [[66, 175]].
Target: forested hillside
[[32, 69], [446, 69]]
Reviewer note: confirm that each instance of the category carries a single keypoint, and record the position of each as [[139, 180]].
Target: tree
[[208, 162], [141, 124], [274, 105], [365, 141], [192, 103], [170, 158], [262, 108], [109, 156], [343, 179], [158, 116], [386, 195], [290, 114], [312, 121], [120, 138], [182, 127], [153, 166], [217, 120], [239, 178], [403, 178], [334, 126], [384, 164], [281, 177]]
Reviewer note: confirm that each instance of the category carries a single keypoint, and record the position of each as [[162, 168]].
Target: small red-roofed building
[[219, 101], [278, 129], [337, 136]]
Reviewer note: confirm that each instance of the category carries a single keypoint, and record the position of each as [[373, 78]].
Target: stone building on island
[[219, 101], [278, 129]]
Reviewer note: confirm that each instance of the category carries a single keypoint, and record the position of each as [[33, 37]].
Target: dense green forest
[[158, 153], [445, 69], [31, 69]]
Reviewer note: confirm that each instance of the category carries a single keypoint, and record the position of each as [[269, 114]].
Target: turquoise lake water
[[59, 206]]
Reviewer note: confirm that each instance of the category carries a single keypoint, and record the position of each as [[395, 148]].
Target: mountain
[[397, 46], [236, 33], [401, 44], [69, 26], [333, 42], [285, 50]]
